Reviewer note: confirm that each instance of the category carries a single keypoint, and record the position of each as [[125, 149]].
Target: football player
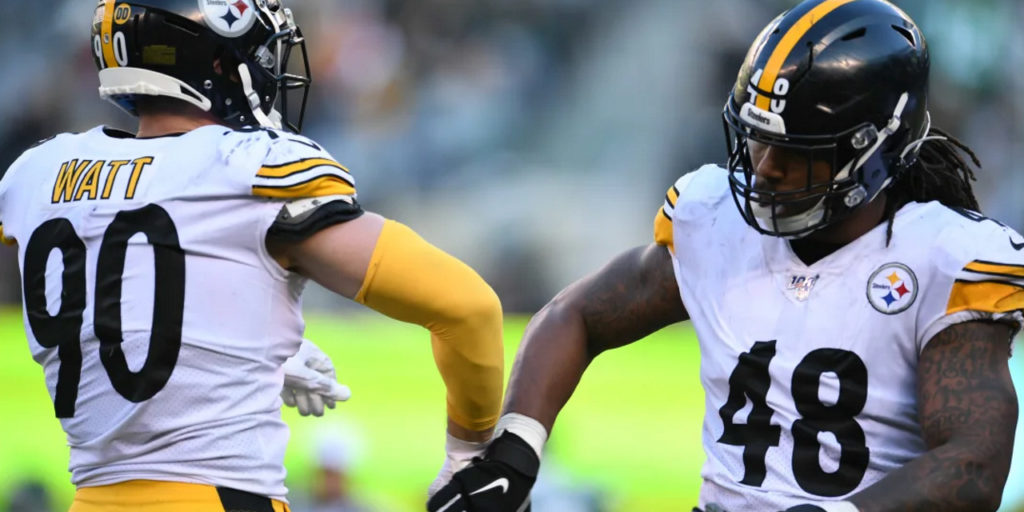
[[854, 310], [163, 270]]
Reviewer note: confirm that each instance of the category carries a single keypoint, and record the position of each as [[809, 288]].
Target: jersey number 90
[[64, 329]]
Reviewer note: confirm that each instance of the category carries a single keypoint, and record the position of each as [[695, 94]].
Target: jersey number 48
[[751, 379]]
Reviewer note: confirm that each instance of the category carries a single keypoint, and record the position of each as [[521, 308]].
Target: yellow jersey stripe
[[787, 43], [663, 230], [987, 296], [993, 268], [285, 170], [317, 187], [107, 35], [672, 196]]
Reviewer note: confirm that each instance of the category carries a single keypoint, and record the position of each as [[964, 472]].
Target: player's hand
[[310, 383], [458, 453], [500, 481]]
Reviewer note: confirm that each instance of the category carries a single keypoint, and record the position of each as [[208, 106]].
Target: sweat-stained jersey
[[809, 372], [150, 300]]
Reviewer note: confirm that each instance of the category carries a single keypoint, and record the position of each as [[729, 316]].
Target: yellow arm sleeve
[[410, 280]]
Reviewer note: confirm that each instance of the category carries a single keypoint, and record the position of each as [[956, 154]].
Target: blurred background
[[534, 139]]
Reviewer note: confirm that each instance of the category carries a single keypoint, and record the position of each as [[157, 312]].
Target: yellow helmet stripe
[[107, 35], [786, 45]]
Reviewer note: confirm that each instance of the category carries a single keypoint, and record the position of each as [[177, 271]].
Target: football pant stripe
[[987, 296], [787, 43], [3, 239]]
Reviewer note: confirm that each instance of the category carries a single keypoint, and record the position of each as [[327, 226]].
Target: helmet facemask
[[271, 69], [855, 159]]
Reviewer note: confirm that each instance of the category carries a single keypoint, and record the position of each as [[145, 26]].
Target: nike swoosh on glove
[[310, 383], [500, 481]]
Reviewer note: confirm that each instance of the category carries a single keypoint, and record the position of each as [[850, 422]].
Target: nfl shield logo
[[801, 286]]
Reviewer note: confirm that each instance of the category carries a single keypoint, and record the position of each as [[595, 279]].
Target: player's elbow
[[474, 305]]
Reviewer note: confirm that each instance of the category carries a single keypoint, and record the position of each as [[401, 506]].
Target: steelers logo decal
[[892, 288], [229, 18]]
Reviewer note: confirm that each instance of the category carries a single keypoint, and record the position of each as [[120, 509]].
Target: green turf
[[632, 428]]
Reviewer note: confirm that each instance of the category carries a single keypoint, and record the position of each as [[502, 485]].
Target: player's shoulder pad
[[705, 185], [296, 167]]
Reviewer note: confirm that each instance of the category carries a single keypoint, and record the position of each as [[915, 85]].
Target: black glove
[[500, 481], [805, 508]]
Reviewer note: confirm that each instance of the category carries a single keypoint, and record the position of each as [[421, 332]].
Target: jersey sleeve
[[983, 279], [316, 190], [7, 177]]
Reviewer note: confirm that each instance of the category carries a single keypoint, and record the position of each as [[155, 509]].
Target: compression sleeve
[[410, 280]]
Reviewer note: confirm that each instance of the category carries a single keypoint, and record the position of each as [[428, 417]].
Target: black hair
[[943, 172]]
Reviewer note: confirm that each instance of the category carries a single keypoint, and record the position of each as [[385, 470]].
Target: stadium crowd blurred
[[531, 138]]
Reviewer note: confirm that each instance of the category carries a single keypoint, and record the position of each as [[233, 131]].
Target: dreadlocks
[[941, 173]]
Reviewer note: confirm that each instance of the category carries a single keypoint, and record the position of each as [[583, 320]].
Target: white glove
[[310, 382], [458, 454]]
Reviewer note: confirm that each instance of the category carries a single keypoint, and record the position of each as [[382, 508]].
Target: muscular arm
[[631, 297], [968, 413], [390, 269]]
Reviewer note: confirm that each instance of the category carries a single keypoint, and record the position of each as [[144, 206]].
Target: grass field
[[632, 429]]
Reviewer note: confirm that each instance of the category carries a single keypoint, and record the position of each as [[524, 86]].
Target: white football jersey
[[809, 372], [159, 318]]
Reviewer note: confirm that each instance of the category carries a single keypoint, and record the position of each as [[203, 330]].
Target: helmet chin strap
[[273, 120], [924, 137]]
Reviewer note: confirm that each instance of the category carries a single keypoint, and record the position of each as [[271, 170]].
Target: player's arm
[[968, 413], [632, 296], [388, 267]]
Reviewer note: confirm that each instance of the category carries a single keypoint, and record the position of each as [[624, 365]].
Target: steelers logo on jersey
[[892, 288], [229, 18]]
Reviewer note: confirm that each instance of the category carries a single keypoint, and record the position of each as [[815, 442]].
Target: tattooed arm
[[631, 297], [968, 413]]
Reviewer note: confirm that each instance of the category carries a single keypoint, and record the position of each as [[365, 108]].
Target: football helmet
[[228, 57], [838, 81]]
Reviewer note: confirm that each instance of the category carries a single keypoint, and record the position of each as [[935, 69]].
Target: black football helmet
[[228, 57], [840, 81]]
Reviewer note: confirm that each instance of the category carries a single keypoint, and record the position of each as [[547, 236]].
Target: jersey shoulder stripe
[[986, 296], [290, 169], [317, 186], [297, 168], [663, 219], [988, 286]]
